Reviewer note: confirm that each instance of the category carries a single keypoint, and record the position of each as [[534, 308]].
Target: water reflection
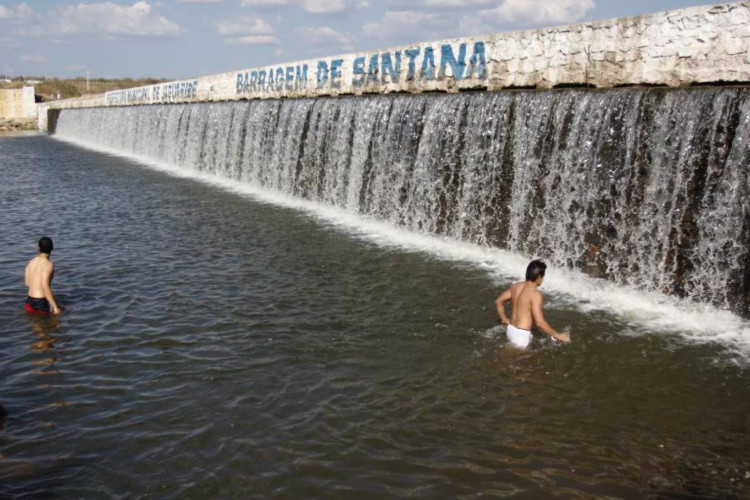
[[47, 330]]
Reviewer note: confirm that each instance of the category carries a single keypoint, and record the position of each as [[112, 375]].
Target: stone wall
[[17, 103], [699, 45]]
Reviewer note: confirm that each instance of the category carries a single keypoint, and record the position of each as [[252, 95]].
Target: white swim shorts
[[517, 337]]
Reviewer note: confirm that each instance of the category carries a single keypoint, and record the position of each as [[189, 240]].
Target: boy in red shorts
[[39, 275]]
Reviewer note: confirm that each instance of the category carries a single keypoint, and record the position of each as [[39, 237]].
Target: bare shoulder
[[531, 293]]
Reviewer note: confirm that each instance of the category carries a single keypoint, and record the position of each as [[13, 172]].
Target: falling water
[[644, 187]]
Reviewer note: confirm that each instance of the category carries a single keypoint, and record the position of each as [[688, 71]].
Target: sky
[[178, 39]]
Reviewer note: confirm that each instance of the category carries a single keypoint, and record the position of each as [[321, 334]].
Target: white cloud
[[325, 36], [324, 6], [540, 11], [244, 26], [412, 26], [437, 20], [137, 20], [310, 6], [32, 59], [333, 6], [264, 3], [18, 14], [23, 19], [253, 40], [247, 31], [427, 5]]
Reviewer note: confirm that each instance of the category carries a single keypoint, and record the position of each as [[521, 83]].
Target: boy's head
[[535, 270], [45, 245]]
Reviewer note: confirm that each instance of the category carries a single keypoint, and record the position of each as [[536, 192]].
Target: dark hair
[[535, 269], [45, 245]]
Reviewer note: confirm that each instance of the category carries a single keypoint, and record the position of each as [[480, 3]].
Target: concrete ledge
[[699, 45], [47, 109]]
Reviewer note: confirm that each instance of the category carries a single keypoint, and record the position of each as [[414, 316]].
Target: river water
[[220, 342]]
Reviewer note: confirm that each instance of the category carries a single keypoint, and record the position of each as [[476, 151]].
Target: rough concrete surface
[[17, 103]]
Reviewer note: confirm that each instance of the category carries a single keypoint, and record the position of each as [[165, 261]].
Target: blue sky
[[184, 38]]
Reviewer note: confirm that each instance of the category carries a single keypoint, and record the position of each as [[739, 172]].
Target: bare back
[[39, 275], [527, 303], [523, 296]]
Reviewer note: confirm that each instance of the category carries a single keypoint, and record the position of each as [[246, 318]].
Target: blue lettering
[[253, 81], [322, 74], [279, 78], [372, 70], [271, 83], [301, 76], [336, 73], [447, 58], [359, 72], [478, 62], [428, 65], [388, 68], [262, 80], [289, 85], [412, 55]]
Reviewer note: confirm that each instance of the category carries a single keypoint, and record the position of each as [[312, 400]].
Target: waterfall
[[645, 187]]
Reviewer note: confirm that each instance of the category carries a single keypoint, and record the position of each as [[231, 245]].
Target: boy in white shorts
[[527, 308]]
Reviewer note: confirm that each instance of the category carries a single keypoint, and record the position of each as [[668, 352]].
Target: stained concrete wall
[[699, 45], [17, 103]]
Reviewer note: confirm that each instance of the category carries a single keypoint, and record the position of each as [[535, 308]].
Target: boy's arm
[[538, 314], [47, 274], [500, 302]]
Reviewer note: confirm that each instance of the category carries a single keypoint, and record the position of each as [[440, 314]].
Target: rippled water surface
[[216, 346]]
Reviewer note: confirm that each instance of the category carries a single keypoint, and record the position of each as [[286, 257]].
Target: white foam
[[647, 312]]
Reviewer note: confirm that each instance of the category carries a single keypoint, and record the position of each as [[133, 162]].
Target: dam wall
[[48, 112], [17, 103], [699, 45], [569, 153], [646, 187]]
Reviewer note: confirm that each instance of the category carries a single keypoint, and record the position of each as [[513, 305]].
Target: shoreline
[[17, 124]]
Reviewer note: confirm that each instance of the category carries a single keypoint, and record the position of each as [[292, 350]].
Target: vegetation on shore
[[50, 89]]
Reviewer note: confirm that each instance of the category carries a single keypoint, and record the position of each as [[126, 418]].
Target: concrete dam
[[617, 148]]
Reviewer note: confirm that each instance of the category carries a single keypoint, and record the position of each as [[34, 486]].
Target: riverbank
[[13, 124], [54, 89]]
